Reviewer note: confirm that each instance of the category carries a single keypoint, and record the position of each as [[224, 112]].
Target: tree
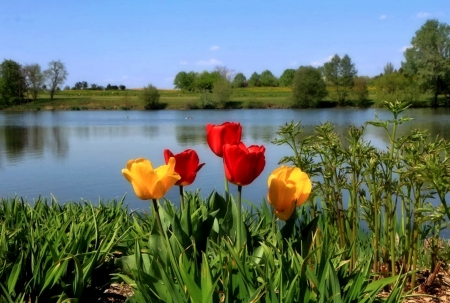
[[150, 96], [185, 81], [222, 91], [122, 87], [361, 91], [308, 87], [254, 80], [240, 80], [34, 79], [268, 79], [287, 78], [204, 81], [428, 58], [388, 68], [395, 86], [12, 83], [340, 73], [225, 73], [55, 75]]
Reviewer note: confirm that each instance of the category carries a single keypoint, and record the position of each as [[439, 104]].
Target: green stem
[[181, 197], [239, 219], [226, 186], [175, 264]]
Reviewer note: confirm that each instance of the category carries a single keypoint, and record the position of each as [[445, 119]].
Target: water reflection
[[24, 141], [189, 135], [80, 154]]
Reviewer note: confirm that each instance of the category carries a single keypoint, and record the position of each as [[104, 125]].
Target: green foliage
[[255, 80], [339, 73], [268, 79], [34, 79], [396, 86], [185, 81], [12, 83], [428, 58], [361, 92], [150, 95], [222, 91], [308, 87], [287, 78], [239, 80], [50, 251]]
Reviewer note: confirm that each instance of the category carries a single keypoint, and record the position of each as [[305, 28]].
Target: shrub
[[150, 95]]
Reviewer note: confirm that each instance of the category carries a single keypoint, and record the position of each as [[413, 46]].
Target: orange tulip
[[242, 164], [149, 183], [187, 165], [219, 135], [288, 187]]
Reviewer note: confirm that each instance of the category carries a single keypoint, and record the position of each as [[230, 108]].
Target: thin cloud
[[404, 48], [321, 61], [293, 63], [211, 61], [214, 48], [383, 17], [184, 63], [423, 15]]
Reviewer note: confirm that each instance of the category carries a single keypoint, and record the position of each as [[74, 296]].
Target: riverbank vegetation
[[423, 79], [371, 220]]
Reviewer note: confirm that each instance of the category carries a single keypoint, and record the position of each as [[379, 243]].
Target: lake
[[74, 155]]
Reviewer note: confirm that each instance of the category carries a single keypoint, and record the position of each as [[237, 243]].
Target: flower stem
[[166, 239], [239, 220], [181, 198]]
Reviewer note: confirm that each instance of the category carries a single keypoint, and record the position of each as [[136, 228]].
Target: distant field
[[250, 97]]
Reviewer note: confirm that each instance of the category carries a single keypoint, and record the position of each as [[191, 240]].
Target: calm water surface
[[75, 155]]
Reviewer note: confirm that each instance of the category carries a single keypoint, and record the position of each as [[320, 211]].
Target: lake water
[[75, 155]]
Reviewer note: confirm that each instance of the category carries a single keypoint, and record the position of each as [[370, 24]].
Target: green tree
[[388, 68], [268, 79], [428, 58], [222, 91], [361, 92], [55, 75], [339, 73], [204, 81], [150, 95], [185, 81], [240, 80], [395, 86], [34, 79], [255, 80], [12, 83], [287, 78], [308, 87]]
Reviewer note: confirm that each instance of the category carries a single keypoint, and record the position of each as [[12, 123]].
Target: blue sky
[[136, 43]]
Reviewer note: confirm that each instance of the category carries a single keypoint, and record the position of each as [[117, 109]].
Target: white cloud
[[423, 15], [211, 61], [321, 61], [184, 63], [383, 16], [403, 48], [214, 48]]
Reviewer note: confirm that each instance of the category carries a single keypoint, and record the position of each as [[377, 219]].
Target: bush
[[150, 95]]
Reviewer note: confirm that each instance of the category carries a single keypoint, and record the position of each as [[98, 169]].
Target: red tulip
[[242, 164], [219, 135], [187, 165]]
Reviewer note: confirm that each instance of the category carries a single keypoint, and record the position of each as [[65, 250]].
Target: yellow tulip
[[149, 183], [288, 187]]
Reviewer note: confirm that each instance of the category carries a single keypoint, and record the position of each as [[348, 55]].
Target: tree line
[[21, 83], [426, 69]]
